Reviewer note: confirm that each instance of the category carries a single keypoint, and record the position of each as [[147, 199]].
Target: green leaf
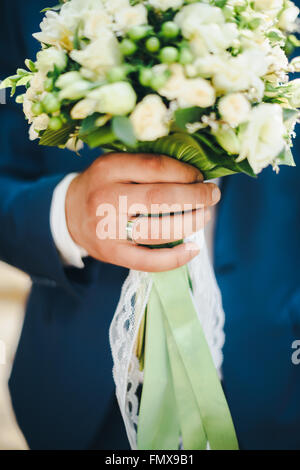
[[54, 8], [123, 130], [188, 115], [181, 146], [57, 138], [89, 125], [101, 136]]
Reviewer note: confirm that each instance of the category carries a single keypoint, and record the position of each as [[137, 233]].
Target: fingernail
[[192, 246], [200, 178], [216, 194]]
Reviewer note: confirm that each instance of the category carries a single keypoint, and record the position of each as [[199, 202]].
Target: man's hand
[[120, 187]]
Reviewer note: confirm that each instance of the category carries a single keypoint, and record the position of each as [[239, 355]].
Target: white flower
[[166, 4], [74, 144], [271, 7], [82, 109], [263, 138], [57, 30], [149, 119], [50, 57], [94, 21], [210, 64], [99, 55], [177, 81], [242, 72], [204, 25], [287, 19], [117, 98], [27, 106], [128, 17], [197, 92], [39, 123], [33, 135], [234, 109], [67, 79], [113, 6], [188, 92], [37, 83]]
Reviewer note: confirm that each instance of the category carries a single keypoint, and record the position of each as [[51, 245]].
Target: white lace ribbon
[[127, 319]]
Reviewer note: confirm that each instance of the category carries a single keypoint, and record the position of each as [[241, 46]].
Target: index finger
[[149, 168]]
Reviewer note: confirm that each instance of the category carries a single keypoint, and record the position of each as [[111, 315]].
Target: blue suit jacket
[[61, 382]]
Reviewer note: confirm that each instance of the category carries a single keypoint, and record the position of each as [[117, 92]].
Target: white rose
[[268, 5], [149, 119], [188, 91], [197, 92], [287, 19], [166, 4], [113, 6], [117, 98], [94, 21], [177, 81], [263, 138], [234, 109], [242, 72], [50, 57], [82, 109], [191, 16], [126, 18], [204, 25], [210, 64], [99, 55]]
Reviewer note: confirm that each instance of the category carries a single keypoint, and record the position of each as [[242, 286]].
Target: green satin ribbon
[[182, 394]]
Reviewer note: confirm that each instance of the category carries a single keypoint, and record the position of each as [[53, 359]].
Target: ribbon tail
[[175, 296], [158, 425]]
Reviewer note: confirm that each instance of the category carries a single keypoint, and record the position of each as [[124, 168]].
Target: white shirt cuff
[[70, 253]]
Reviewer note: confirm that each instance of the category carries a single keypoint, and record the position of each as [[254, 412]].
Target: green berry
[[152, 44], [170, 30], [186, 56], [51, 103], [55, 123], [136, 33], [128, 47], [158, 81], [117, 74], [48, 85], [145, 77], [37, 109], [169, 55]]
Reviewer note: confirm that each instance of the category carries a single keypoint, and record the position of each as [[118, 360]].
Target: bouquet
[[206, 82]]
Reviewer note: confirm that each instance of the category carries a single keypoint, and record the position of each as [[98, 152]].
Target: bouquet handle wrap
[[174, 402]]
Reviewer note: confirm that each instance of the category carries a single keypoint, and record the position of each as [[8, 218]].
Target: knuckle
[[153, 195], [153, 163]]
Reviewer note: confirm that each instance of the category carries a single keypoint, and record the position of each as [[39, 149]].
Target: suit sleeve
[[26, 191]]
